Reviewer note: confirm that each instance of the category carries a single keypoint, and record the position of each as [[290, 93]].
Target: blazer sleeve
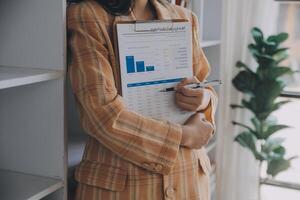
[[146, 142], [201, 71]]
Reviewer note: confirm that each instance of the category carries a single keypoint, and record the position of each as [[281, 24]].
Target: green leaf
[[279, 71], [292, 158], [279, 50], [262, 103], [281, 37], [248, 141], [277, 105], [264, 60], [257, 125], [250, 105], [255, 50], [279, 150], [234, 106], [277, 165], [261, 156], [260, 111], [257, 35], [240, 64], [267, 91], [280, 56], [270, 47], [273, 143], [272, 129], [244, 126], [280, 103], [277, 153], [245, 81], [272, 148], [261, 57], [273, 73]]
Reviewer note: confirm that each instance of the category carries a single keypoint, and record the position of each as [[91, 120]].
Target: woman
[[129, 156]]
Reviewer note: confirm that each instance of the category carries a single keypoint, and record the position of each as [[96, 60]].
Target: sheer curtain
[[237, 171]]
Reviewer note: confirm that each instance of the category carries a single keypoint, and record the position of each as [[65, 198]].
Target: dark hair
[[116, 7]]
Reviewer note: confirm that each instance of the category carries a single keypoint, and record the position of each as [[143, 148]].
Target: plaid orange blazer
[[129, 156]]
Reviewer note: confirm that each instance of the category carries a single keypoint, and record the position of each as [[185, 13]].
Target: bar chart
[[133, 66], [151, 61]]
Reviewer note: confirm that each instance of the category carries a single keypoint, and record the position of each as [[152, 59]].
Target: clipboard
[[153, 55], [141, 25]]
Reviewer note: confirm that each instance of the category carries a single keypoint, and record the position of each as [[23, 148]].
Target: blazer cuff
[[168, 154], [174, 134]]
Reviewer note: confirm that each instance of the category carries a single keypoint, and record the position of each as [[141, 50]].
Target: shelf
[[209, 43], [76, 144], [16, 186], [17, 76], [211, 146]]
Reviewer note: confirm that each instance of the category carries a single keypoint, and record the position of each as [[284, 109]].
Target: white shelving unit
[[209, 43], [211, 145], [77, 139], [209, 14], [76, 144], [18, 76], [26, 186], [32, 98]]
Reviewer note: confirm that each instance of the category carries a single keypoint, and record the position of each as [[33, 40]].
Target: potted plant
[[262, 86]]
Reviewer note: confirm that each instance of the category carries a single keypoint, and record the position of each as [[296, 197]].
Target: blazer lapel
[[163, 13]]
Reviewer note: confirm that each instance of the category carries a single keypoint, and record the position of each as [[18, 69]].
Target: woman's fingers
[[195, 101], [198, 92], [185, 106], [187, 81], [191, 99]]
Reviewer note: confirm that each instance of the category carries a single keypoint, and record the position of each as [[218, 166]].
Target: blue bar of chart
[[140, 66], [149, 68], [137, 66], [130, 64]]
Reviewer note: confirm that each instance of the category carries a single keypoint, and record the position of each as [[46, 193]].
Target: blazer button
[[170, 192]]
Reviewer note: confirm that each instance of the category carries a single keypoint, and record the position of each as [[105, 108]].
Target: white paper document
[[154, 56]]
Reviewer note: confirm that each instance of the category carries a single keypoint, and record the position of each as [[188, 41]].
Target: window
[[287, 184]]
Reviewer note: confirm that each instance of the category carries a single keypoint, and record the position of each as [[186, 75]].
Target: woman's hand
[[196, 132], [191, 99]]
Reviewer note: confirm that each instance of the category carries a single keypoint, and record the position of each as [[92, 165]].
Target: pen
[[196, 85]]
